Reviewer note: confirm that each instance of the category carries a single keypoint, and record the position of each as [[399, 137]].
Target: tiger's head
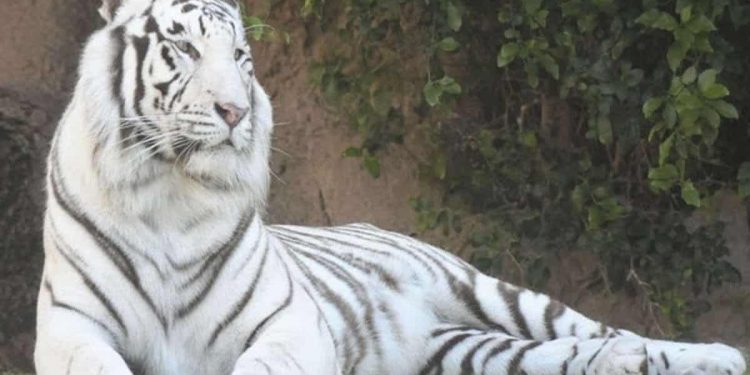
[[174, 82]]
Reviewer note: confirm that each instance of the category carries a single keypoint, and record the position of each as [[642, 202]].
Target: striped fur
[[158, 261]]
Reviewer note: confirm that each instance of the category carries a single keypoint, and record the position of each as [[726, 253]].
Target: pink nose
[[231, 113]]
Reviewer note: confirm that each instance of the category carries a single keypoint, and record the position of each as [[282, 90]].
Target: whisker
[[274, 175], [281, 151]]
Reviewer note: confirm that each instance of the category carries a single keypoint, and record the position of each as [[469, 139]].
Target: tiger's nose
[[231, 113]]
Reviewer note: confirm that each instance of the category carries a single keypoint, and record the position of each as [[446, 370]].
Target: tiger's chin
[[225, 169]]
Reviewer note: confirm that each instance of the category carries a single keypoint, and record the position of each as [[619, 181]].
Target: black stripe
[[371, 236], [116, 67], [499, 348], [665, 359], [287, 301], [64, 250], [596, 353], [359, 290], [516, 361], [112, 250], [242, 303], [225, 254], [141, 45], [163, 87], [564, 368], [467, 365], [446, 330], [363, 236], [552, 312], [466, 294], [202, 25], [177, 28], [178, 95], [460, 289], [436, 361], [363, 265], [218, 254], [65, 306], [343, 308], [511, 297], [168, 58]]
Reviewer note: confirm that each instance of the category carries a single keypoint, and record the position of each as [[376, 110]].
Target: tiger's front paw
[[254, 367], [673, 358]]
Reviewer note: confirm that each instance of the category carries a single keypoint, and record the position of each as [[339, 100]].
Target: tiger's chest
[[194, 316], [179, 353]]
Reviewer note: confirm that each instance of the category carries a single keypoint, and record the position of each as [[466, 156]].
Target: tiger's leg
[[462, 350], [71, 343], [530, 315], [295, 340]]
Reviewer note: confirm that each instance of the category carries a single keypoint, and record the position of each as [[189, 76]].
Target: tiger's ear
[[109, 9]]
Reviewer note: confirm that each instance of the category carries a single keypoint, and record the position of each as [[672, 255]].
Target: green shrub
[[600, 125]]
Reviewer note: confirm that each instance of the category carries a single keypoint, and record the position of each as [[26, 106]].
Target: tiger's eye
[[238, 53], [188, 48]]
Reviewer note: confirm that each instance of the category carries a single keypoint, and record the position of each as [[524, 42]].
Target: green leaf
[[675, 55], [725, 109], [743, 177], [701, 24], [532, 75], [511, 34], [448, 44], [503, 16], [706, 79], [372, 165], [689, 75], [439, 167], [648, 18], [352, 152], [712, 117], [686, 13], [663, 178], [651, 105], [454, 17], [432, 93], [532, 6], [665, 22], [684, 38], [665, 149], [595, 218], [586, 22], [702, 44], [744, 189], [578, 197], [507, 54], [690, 195], [450, 85], [658, 20], [604, 130], [308, 7], [743, 173], [715, 91], [550, 65], [670, 115], [528, 139], [540, 19]]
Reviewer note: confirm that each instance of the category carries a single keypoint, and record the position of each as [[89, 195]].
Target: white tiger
[[158, 262]]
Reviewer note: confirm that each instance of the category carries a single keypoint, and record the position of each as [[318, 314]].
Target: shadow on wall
[[39, 46]]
